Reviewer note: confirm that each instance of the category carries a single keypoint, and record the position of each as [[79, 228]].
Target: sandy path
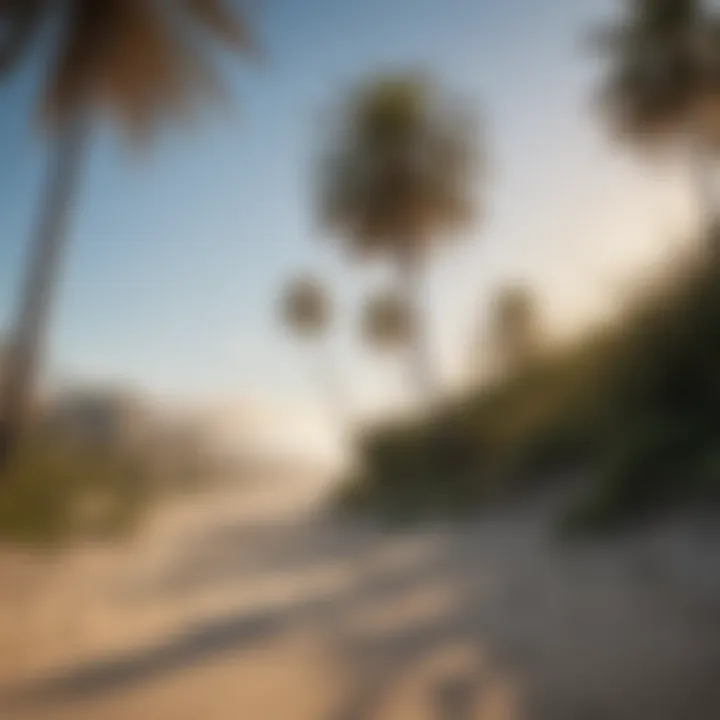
[[249, 603]]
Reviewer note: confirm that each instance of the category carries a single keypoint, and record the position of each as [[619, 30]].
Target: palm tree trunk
[[28, 335], [701, 160], [330, 385], [421, 354], [337, 405]]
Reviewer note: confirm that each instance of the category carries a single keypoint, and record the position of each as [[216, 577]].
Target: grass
[[633, 407]]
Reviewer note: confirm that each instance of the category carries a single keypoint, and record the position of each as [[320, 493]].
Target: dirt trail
[[252, 603]]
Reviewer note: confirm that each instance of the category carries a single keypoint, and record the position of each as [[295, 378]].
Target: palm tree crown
[[140, 61], [305, 307], [398, 171], [665, 75], [386, 321]]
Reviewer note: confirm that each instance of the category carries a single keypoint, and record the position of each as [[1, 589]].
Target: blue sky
[[177, 254]]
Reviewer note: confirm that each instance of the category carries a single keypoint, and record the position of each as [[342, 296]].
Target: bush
[[636, 406], [56, 492]]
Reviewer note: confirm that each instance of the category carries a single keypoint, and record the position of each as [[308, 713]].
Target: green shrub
[[56, 492], [636, 406]]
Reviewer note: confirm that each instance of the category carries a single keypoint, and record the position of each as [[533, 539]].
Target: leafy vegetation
[[397, 180], [661, 88], [55, 492], [58, 490], [634, 407]]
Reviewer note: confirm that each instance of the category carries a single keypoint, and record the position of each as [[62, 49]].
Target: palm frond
[[19, 21], [387, 321], [305, 307], [141, 62], [400, 168], [664, 64], [225, 24]]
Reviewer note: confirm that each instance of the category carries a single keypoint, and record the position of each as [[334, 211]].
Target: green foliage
[[55, 492], [139, 61], [59, 491], [305, 307], [634, 408], [399, 168], [387, 322], [664, 57]]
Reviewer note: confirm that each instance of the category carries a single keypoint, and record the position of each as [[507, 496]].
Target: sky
[[178, 252]]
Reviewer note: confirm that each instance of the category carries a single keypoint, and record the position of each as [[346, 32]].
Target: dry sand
[[251, 603]]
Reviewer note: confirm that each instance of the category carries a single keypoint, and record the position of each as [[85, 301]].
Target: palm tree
[[306, 311], [396, 178], [305, 308], [515, 326], [19, 20], [663, 85], [140, 62], [387, 322]]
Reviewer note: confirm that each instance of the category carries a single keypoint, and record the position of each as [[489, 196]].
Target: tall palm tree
[[306, 311], [305, 308], [387, 322], [141, 62], [515, 326], [664, 84], [396, 178]]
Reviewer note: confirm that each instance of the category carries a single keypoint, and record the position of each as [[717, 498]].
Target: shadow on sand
[[573, 633]]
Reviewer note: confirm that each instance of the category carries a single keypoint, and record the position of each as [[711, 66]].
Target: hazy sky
[[177, 254]]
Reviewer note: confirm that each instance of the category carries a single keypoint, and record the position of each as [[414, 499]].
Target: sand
[[251, 602]]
